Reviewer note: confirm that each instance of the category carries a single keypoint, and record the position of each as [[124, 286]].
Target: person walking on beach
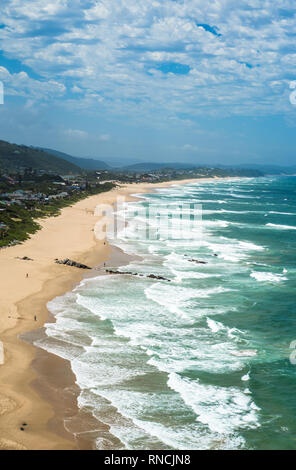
[[35, 318], [27, 275]]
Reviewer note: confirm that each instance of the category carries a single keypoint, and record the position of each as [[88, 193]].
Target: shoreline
[[28, 420], [55, 381]]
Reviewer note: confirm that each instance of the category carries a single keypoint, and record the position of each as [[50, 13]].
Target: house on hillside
[[58, 196]]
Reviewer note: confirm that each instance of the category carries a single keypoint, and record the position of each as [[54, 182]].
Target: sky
[[197, 81]]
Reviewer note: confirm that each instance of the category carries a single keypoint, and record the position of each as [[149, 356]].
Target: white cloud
[[76, 133], [114, 50], [20, 84], [35, 10], [76, 89], [98, 11]]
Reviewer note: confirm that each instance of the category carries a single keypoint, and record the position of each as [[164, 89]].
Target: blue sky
[[146, 80]]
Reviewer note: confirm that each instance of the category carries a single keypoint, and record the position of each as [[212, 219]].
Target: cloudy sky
[[146, 80]]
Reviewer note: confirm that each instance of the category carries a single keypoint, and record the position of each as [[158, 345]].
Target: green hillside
[[84, 163], [17, 157]]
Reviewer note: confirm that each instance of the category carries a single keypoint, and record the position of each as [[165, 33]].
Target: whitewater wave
[[223, 410], [281, 227], [267, 277]]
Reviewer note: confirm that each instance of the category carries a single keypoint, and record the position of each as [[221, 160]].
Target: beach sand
[[33, 406]]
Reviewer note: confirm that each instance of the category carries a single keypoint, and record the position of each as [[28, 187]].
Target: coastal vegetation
[[19, 218]]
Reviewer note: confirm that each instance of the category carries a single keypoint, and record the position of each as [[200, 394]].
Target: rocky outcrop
[[197, 261], [159, 278], [149, 276], [70, 262]]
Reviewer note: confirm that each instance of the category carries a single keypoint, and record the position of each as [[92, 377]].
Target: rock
[[70, 262], [197, 261], [159, 278], [24, 258], [150, 276]]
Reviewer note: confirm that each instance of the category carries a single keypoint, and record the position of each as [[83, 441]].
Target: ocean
[[205, 361]]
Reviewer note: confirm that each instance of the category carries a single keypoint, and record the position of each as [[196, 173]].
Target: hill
[[84, 163], [15, 157], [152, 166]]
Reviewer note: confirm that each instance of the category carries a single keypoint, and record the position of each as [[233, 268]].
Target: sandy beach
[[28, 419]]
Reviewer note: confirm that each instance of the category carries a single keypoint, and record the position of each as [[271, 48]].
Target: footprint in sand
[[6, 444], [6, 405]]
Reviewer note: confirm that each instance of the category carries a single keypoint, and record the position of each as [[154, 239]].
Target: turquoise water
[[203, 361]]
